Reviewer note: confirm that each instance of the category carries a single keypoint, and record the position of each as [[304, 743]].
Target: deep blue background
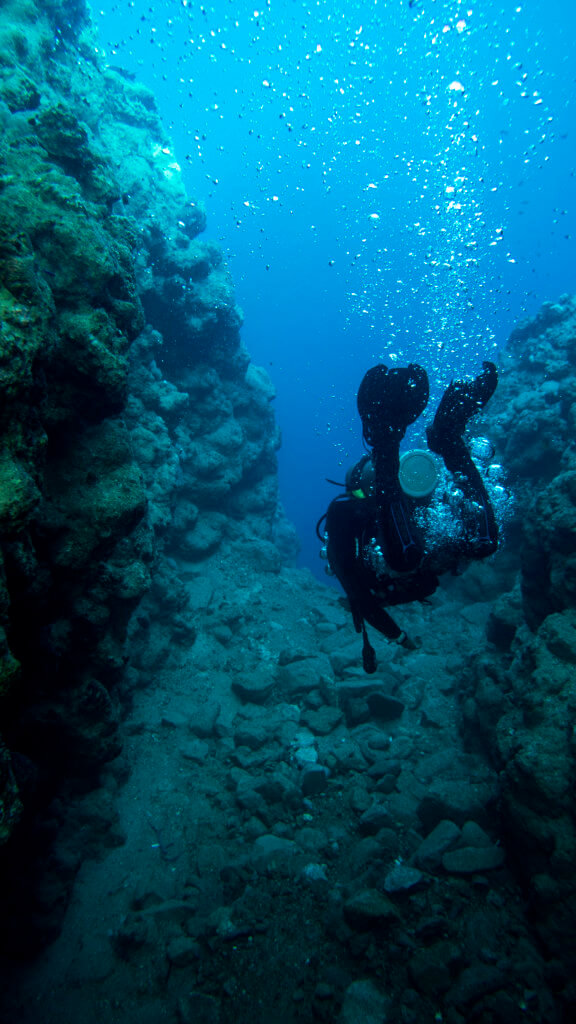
[[388, 181]]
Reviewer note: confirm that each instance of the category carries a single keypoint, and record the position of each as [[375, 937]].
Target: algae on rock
[[117, 440]]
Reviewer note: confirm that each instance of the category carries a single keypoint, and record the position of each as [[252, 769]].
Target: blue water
[[389, 180]]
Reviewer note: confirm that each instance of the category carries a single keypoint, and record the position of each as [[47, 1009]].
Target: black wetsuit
[[388, 401]]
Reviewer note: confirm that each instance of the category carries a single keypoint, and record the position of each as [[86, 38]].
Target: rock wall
[[128, 404], [522, 697], [137, 452]]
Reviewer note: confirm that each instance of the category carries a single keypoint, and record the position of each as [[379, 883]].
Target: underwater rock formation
[[533, 414], [110, 431], [523, 695], [341, 830], [75, 545]]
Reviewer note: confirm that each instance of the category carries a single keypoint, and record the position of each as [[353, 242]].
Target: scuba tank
[[418, 476]]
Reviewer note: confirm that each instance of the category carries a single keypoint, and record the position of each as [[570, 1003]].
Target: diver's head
[[360, 478]]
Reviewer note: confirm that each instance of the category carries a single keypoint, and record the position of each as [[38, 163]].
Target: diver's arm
[[346, 523]]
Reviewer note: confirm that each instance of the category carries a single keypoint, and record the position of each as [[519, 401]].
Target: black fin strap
[[368, 653]]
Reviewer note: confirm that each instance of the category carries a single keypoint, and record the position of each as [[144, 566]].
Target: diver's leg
[[461, 400], [388, 402]]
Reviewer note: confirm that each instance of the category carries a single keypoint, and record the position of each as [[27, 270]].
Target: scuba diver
[[382, 538]]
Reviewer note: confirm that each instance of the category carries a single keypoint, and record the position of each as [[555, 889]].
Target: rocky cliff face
[[523, 693], [129, 405], [139, 517]]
